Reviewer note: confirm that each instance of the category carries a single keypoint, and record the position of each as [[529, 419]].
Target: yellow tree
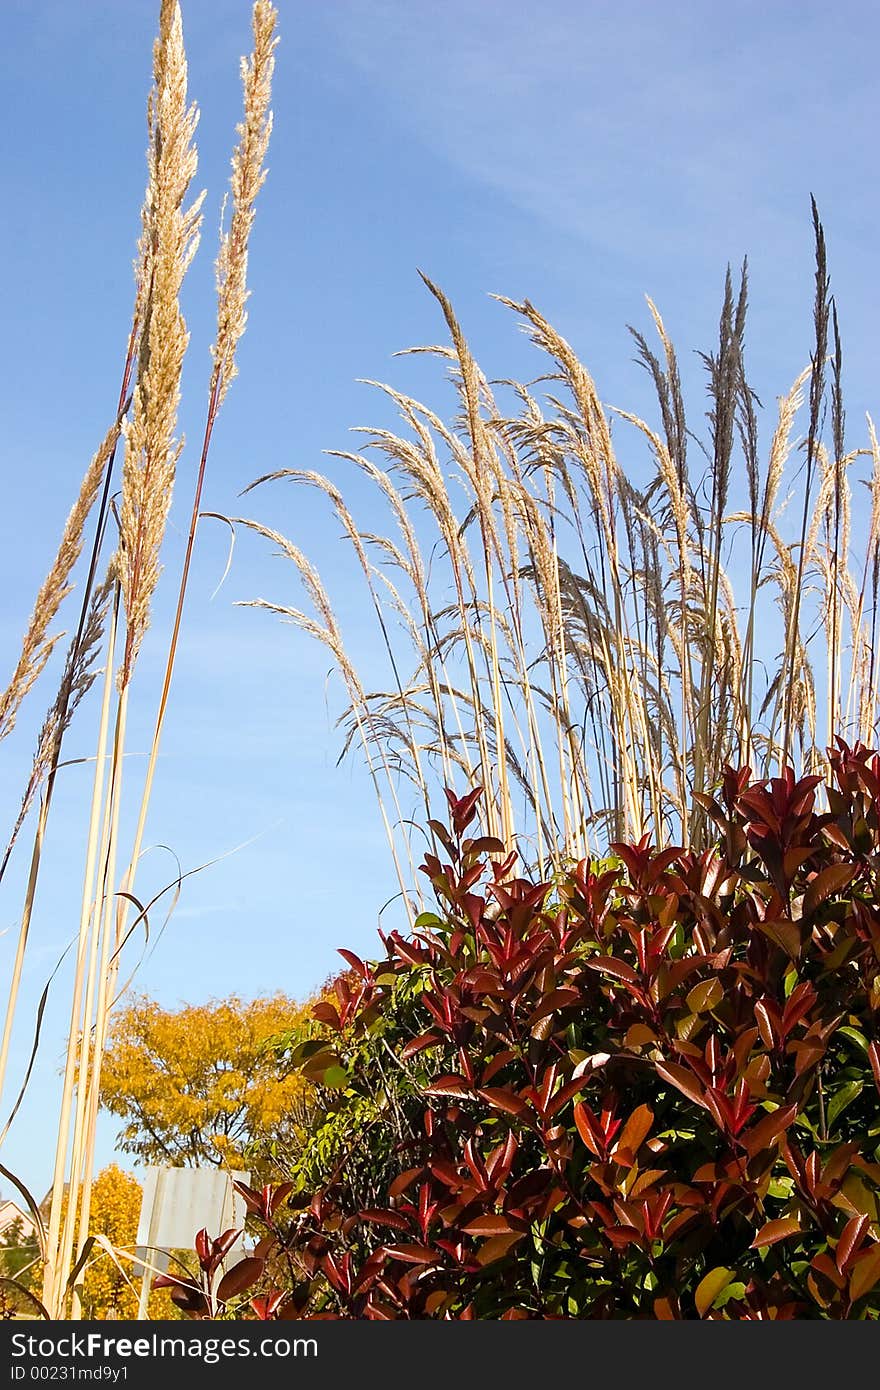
[[109, 1286], [199, 1085]]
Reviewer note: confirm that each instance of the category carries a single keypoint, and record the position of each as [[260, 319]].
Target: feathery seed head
[[248, 177], [37, 646], [169, 241]]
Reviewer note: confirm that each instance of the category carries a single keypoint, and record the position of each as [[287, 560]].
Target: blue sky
[[578, 154]]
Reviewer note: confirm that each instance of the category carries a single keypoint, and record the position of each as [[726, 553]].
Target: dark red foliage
[[649, 1090]]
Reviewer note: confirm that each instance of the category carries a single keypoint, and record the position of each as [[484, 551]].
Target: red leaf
[[495, 1224], [777, 1230], [462, 809], [566, 1093], [807, 1054], [224, 1243], [609, 965], [325, 1012], [280, 1194], [266, 1305], [850, 1239], [824, 1265], [836, 836], [497, 1247], [190, 1300], [483, 981], [500, 1099], [413, 955], [484, 844], [403, 1181], [498, 1061], [417, 1044], [355, 962], [446, 1172], [587, 1129], [253, 1199], [800, 1002], [500, 1161], [635, 1131], [675, 973], [829, 881], [762, 1134], [682, 1080], [556, 999], [785, 934], [622, 1236], [451, 1084], [242, 1276], [384, 1218], [412, 1254]]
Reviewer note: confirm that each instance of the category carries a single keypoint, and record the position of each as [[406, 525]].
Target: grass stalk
[[80, 1012], [81, 1178]]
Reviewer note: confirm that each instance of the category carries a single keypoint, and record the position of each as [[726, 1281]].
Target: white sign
[[179, 1202]]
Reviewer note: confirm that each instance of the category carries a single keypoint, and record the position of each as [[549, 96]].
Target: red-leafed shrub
[[649, 1090]]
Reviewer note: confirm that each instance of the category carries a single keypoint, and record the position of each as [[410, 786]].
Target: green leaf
[[841, 1099], [308, 1048], [855, 1036], [733, 1291], [427, 919], [710, 1287], [781, 1188], [687, 1025], [865, 1273], [315, 1068], [335, 1077], [705, 996]]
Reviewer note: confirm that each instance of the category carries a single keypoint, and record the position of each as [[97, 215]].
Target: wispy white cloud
[[561, 108]]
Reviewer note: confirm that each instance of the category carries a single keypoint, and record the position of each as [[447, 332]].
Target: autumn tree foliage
[[108, 1283], [200, 1084], [116, 1205]]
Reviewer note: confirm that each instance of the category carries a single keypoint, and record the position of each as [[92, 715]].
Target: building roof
[[10, 1212]]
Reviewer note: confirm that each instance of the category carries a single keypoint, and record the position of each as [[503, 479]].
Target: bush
[[647, 1090]]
